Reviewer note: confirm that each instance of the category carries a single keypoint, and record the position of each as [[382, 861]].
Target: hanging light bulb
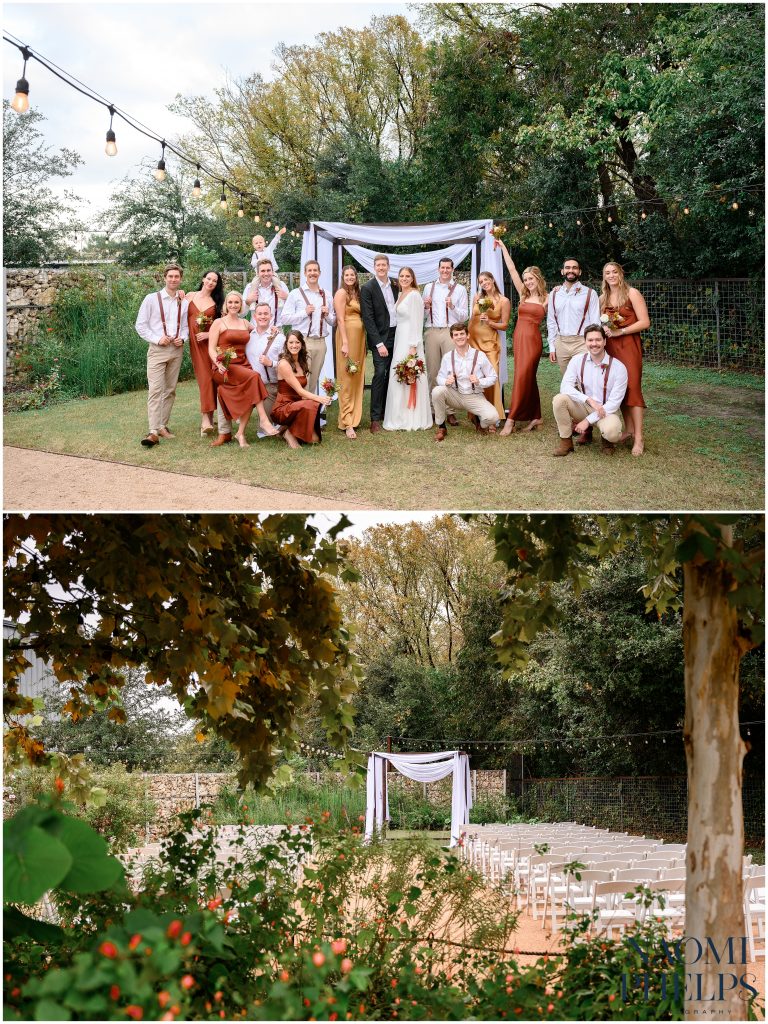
[[196, 190], [111, 147], [268, 223], [257, 219], [223, 199], [159, 171], [526, 228], [240, 210], [686, 210], [20, 102], [610, 219], [734, 205], [277, 228], [643, 215], [578, 222], [551, 225]]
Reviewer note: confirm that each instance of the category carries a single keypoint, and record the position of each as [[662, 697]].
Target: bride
[[408, 341]]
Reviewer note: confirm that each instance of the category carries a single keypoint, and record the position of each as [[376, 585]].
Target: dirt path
[[41, 481]]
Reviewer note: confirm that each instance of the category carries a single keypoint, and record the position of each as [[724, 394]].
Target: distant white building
[[38, 679]]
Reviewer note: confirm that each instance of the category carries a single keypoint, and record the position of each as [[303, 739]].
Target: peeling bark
[[714, 753]]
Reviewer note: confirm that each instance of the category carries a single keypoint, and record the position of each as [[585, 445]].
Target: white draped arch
[[325, 241], [422, 768]]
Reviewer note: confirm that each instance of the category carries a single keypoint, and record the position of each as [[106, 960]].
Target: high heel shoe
[[269, 430], [207, 431]]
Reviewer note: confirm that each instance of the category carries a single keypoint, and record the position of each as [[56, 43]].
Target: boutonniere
[[577, 289]]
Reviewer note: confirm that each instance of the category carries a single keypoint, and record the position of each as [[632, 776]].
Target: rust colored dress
[[628, 349], [486, 338], [300, 415], [241, 388], [525, 403], [201, 361], [351, 387]]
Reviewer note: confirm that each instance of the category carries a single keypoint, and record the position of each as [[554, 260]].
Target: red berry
[[134, 941], [339, 946], [346, 965], [187, 981], [134, 1012], [318, 959], [218, 996], [114, 992], [108, 949], [163, 999], [213, 904], [186, 938], [174, 929], [284, 976]]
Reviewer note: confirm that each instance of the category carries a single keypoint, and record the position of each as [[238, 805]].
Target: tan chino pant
[[566, 347], [444, 397], [316, 349], [437, 341], [163, 365], [567, 412]]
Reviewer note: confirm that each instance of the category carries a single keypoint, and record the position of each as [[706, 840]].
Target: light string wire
[[736, 189]]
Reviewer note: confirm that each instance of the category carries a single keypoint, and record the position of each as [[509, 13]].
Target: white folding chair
[[754, 914]]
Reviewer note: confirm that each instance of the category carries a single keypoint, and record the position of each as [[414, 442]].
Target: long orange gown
[[525, 403], [628, 349], [486, 338], [240, 388], [300, 415], [201, 361]]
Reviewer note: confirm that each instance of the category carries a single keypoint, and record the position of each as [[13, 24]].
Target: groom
[[377, 299]]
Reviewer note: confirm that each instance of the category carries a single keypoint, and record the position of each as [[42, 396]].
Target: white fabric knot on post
[[421, 768]]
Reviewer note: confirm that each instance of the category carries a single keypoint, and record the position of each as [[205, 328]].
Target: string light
[[20, 102], [159, 171], [686, 210], [734, 205], [240, 210], [256, 219], [578, 222], [196, 190], [610, 219], [268, 224], [551, 225], [223, 199], [111, 147], [643, 215]]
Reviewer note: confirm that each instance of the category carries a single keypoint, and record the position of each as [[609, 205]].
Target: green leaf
[[46, 1009], [38, 863], [15, 923], [93, 868]]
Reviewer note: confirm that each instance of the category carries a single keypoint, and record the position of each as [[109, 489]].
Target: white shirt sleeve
[[551, 324], [445, 368], [184, 328], [288, 314], [485, 372], [617, 387], [593, 313], [143, 328], [460, 303], [568, 384]]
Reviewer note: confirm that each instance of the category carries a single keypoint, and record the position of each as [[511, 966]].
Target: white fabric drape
[[421, 768], [383, 237]]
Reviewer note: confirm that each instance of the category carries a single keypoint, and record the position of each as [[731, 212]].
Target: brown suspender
[[431, 294], [453, 367], [555, 290], [266, 349], [162, 315], [606, 375], [322, 315]]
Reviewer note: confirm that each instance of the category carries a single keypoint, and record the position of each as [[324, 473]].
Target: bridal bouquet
[[498, 230], [612, 320], [408, 372], [329, 386]]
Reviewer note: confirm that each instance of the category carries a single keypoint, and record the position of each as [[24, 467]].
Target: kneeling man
[[463, 376], [591, 392]]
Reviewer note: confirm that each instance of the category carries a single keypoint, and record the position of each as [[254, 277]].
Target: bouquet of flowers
[[225, 357], [498, 230], [352, 367], [329, 386], [612, 320], [407, 372], [203, 321], [484, 304]]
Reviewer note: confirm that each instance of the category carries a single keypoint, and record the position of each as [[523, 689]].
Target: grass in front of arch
[[705, 450]]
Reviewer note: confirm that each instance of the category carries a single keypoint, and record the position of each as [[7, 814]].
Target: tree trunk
[[714, 752]]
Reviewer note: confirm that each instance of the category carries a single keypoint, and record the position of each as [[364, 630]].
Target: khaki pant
[[567, 412], [316, 348], [437, 341], [225, 426], [443, 396], [566, 347], [163, 365]]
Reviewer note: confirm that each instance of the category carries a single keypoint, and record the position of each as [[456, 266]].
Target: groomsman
[[309, 309], [445, 303], [591, 392], [263, 351], [265, 287], [463, 376], [571, 306], [377, 300], [163, 323]]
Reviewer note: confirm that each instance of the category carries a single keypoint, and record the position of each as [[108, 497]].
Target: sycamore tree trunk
[[714, 753]]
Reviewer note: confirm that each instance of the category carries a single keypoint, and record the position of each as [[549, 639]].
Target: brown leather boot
[[586, 437], [220, 440], [452, 421], [564, 448], [608, 448]]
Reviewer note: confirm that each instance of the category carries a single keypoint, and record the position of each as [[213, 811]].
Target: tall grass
[[90, 337]]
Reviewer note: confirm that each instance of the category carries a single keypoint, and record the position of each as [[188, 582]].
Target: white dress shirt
[[149, 323], [294, 313], [484, 371], [389, 298], [259, 345], [568, 304], [439, 293], [594, 378], [267, 253], [265, 295]]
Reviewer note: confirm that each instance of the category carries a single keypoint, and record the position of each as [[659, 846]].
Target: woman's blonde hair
[[622, 287], [536, 272], [226, 300]]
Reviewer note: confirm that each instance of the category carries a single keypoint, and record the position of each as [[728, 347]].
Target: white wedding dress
[[408, 335]]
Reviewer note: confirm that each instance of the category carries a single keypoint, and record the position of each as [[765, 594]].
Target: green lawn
[[705, 443]]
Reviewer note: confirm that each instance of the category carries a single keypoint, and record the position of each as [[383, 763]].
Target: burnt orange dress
[[241, 388], [486, 338], [525, 403], [628, 349], [201, 361], [300, 415]]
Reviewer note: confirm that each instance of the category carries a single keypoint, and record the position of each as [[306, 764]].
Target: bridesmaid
[[204, 307], [483, 328], [350, 343], [239, 387], [525, 403], [295, 408], [628, 315]]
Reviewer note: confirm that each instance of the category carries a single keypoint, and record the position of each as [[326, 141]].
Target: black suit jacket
[[375, 313]]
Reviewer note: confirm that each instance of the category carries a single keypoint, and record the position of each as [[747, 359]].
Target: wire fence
[[652, 805]]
